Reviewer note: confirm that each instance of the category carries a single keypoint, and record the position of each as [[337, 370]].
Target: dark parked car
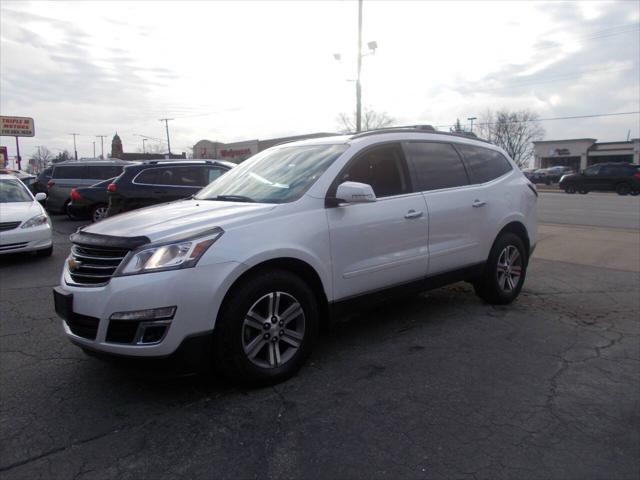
[[24, 177], [40, 184], [90, 202], [550, 175], [161, 181], [623, 178]]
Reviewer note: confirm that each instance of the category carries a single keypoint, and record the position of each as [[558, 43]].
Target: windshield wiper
[[233, 198]]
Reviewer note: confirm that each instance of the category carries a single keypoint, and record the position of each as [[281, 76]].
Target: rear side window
[[193, 176], [71, 171], [383, 168], [484, 164], [437, 165], [213, 173], [103, 172]]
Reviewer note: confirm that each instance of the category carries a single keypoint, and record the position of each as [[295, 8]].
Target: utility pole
[[101, 137], [358, 85], [143, 149], [166, 124], [18, 152], [75, 150], [472, 119], [94, 149]]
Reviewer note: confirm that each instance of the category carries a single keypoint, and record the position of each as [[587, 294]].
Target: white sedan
[[24, 223]]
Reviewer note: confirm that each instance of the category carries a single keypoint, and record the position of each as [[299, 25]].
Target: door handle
[[478, 204], [413, 214]]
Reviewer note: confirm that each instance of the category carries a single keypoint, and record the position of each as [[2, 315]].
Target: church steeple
[[116, 147]]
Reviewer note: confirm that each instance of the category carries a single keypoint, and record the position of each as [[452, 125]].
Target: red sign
[[235, 153], [16, 127], [4, 157]]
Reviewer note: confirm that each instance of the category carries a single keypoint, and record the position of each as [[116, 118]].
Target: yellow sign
[[17, 127]]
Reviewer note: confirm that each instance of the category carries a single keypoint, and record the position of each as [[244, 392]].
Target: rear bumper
[[79, 210]]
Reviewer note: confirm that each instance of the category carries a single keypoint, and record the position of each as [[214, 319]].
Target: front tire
[[45, 252], [623, 189], [504, 272], [570, 189], [266, 329], [583, 191]]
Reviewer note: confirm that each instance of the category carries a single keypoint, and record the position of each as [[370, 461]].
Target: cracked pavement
[[436, 385]]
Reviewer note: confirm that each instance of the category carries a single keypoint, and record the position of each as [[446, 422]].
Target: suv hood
[[169, 220]]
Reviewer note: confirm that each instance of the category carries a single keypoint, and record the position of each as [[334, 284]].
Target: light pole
[[372, 50], [94, 149], [143, 149], [101, 137], [472, 119], [75, 150], [166, 124]]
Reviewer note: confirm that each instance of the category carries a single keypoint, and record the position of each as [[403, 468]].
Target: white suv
[[256, 261]]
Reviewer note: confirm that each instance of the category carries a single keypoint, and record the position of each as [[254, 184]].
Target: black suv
[[161, 181], [623, 178]]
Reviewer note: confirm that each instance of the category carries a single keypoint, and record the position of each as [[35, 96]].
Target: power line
[[595, 115]]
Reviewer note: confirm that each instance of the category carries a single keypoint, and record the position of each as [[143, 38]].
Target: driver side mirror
[[41, 197], [355, 192]]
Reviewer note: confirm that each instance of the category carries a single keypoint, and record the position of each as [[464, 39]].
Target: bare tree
[[370, 120], [513, 131], [40, 159], [154, 147]]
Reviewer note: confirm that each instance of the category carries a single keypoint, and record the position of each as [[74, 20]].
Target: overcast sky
[[232, 71]]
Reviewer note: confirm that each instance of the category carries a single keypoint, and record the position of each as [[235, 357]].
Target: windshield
[[273, 176], [12, 191]]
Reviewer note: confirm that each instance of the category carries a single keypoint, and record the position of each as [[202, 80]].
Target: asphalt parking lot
[[437, 385]]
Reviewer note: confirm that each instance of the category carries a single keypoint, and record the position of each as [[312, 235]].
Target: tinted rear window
[[187, 176], [71, 171], [484, 164], [437, 165], [103, 172]]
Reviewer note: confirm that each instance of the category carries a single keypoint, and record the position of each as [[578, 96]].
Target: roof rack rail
[[417, 129]]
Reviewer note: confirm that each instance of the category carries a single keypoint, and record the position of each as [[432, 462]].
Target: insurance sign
[[16, 127]]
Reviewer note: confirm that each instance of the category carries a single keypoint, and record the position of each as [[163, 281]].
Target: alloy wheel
[[99, 213], [273, 330], [509, 268]]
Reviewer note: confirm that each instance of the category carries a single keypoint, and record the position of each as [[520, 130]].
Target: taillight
[[75, 195], [111, 188], [50, 183]]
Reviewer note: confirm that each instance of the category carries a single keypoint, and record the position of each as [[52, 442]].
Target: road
[[594, 209], [437, 385]]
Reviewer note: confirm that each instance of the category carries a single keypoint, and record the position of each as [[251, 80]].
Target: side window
[[188, 176], [592, 171], [383, 168], [103, 172], [71, 172], [484, 164], [213, 173], [437, 165], [609, 171], [149, 176]]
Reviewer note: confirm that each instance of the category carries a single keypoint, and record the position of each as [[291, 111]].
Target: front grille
[[4, 226], [83, 326], [94, 265], [122, 331], [11, 246]]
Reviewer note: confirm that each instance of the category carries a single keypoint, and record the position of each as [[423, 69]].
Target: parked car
[[24, 223], [25, 177], [623, 178], [257, 260], [528, 172], [40, 184], [160, 181], [550, 175], [90, 202], [73, 174]]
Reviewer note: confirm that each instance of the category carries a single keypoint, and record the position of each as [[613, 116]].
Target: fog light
[[153, 334], [163, 313]]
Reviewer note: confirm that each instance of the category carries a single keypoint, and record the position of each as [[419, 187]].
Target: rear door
[[457, 210], [383, 243], [590, 178]]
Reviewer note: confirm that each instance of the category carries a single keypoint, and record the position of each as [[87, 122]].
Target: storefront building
[[579, 153], [237, 152]]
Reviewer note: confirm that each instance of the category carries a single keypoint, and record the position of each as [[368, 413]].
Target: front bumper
[[196, 292], [25, 239]]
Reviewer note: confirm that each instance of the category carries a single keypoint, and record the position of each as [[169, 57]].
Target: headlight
[[36, 221], [170, 256]]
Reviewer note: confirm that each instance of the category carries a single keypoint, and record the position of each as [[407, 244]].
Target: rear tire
[[98, 212], [635, 191], [570, 189], [583, 191], [623, 189], [266, 329], [504, 272], [70, 215]]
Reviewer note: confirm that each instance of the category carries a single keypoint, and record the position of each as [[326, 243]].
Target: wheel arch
[[294, 265], [519, 229]]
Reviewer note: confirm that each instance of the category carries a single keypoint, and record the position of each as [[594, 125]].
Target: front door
[[382, 243]]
